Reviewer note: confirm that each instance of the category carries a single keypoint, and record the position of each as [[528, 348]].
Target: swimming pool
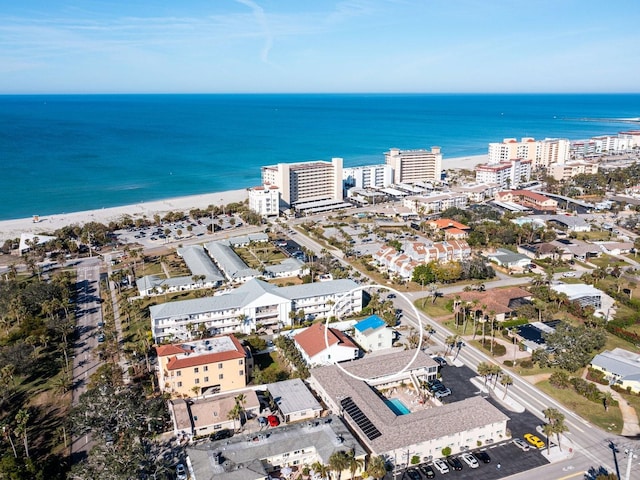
[[397, 406]]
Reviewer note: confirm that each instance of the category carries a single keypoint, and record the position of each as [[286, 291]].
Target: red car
[[273, 421]]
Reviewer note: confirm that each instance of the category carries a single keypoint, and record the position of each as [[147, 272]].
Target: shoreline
[[10, 229]]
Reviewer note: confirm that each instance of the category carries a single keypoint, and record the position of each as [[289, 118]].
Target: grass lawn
[[610, 421], [605, 261], [431, 309], [595, 235]]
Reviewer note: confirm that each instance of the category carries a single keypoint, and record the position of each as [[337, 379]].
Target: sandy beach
[[47, 224]]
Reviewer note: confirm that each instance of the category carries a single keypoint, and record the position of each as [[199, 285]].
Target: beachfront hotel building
[[305, 182], [422, 205], [211, 365], [265, 200], [252, 304], [413, 166], [368, 176], [422, 429], [541, 153], [506, 173]]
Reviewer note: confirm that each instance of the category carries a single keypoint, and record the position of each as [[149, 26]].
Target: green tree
[[377, 467], [506, 381], [338, 462]]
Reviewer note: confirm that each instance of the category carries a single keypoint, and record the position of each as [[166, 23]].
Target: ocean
[[64, 153]]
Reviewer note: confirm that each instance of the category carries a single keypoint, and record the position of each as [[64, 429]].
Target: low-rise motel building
[[207, 366], [402, 432], [276, 452]]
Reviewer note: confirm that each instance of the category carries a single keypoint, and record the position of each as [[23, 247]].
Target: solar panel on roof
[[360, 418]]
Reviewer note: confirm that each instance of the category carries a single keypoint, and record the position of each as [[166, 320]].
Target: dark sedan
[[455, 463]]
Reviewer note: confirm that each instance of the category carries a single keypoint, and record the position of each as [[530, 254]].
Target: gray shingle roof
[[401, 431], [230, 263], [307, 290], [617, 364]]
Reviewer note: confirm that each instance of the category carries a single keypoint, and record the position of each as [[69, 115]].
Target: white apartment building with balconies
[[265, 200], [305, 182], [368, 176], [507, 174], [413, 166], [542, 153], [255, 302]]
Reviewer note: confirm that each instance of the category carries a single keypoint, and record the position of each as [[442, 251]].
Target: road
[[85, 362]]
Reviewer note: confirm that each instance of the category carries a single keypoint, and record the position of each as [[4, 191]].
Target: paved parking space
[[512, 460]]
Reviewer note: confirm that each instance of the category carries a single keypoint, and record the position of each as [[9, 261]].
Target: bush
[[508, 363], [596, 376], [446, 451], [527, 363], [498, 349]]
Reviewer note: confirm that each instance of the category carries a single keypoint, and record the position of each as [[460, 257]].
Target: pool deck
[[410, 398]]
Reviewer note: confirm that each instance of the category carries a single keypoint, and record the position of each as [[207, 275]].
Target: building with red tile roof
[[209, 365], [318, 350], [501, 301]]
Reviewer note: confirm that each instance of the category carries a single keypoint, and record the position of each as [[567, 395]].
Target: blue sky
[[103, 46]]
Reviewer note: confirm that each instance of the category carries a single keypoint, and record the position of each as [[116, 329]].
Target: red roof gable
[[312, 339], [189, 359]]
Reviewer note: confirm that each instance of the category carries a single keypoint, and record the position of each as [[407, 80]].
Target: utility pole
[[630, 455]]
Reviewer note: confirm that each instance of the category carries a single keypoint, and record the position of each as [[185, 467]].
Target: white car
[[470, 460], [441, 466], [181, 472], [521, 444], [569, 274]]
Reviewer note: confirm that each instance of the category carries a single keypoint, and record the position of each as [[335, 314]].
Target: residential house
[[294, 401], [201, 416], [585, 295], [620, 367], [320, 345], [373, 333], [508, 259], [503, 302]]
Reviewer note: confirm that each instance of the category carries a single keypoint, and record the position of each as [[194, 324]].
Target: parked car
[[413, 474], [442, 393], [427, 471], [181, 472], [101, 338], [441, 466], [440, 361], [222, 434], [521, 444], [533, 440], [391, 295], [273, 421], [470, 460], [455, 463], [483, 456], [569, 274]]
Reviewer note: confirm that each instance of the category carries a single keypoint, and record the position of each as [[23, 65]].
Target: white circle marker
[[363, 287]]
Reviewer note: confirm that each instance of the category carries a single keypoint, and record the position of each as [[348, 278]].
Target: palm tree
[[496, 371], [377, 467], [355, 463], [241, 401], [506, 381], [338, 462], [321, 470], [484, 370], [22, 417], [234, 414], [6, 433], [547, 429]]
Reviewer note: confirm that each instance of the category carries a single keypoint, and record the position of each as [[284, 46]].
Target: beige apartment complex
[[212, 365], [305, 182], [412, 166], [541, 153]]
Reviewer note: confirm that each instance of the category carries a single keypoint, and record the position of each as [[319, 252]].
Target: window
[[196, 370], [179, 384], [197, 380], [241, 373], [179, 373], [219, 366], [220, 377], [240, 362], [205, 368], [206, 379]]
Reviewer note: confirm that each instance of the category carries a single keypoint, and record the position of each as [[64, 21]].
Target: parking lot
[[511, 458]]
